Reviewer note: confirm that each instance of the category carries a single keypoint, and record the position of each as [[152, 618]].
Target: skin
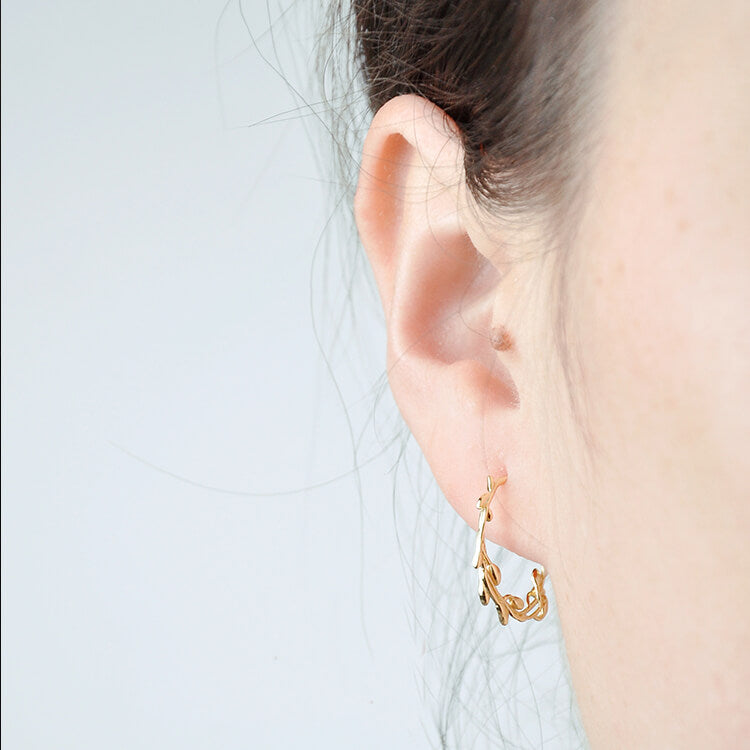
[[636, 501]]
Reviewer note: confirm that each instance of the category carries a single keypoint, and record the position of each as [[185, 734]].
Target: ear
[[453, 359]]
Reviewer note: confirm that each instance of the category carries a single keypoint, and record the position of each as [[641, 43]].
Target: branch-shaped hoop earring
[[536, 605]]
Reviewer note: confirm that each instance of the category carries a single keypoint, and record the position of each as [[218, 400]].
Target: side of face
[[660, 319], [662, 256], [638, 504]]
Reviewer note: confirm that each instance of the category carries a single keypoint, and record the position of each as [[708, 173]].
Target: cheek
[[661, 312], [639, 350], [662, 269]]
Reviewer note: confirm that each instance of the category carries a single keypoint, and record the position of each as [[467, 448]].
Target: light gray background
[[162, 378]]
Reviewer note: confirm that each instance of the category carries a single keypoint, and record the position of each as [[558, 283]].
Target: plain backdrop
[[189, 560]]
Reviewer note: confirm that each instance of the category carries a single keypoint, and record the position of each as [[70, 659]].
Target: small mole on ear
[[500, 338]]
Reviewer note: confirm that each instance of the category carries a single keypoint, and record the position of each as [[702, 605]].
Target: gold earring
[[536, 605]]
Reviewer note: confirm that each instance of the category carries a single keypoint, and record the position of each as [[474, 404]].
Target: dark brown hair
[[512, 74]]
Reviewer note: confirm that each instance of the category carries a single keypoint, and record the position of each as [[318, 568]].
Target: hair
[[517, 79]]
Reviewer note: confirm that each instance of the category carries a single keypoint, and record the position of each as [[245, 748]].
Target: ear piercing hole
[[500, 338]]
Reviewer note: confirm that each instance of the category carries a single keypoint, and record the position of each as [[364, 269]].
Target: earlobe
[[450, 378]]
